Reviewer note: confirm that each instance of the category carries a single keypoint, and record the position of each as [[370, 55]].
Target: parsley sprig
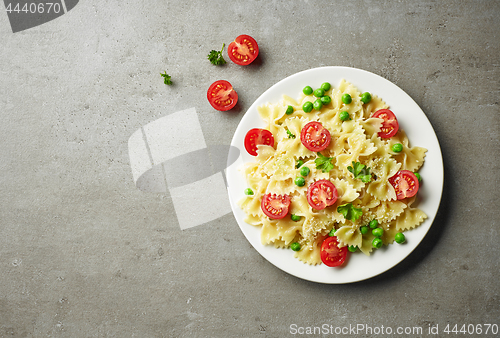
[[324, 163], [216, 57], [290, 135], [360, 171], [349, 211], [166, 78]]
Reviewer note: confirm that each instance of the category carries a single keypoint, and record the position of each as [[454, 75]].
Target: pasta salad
[[333, 173]]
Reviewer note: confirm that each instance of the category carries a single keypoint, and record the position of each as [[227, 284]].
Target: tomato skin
[[243, 50], [315, 137], [390, 126], [405, 183], [331, 254], [221, 95], [275, 206], [257, 136], [322, 194]]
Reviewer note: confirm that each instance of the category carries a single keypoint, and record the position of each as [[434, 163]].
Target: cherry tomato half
[[405, 183], [321, 194], [257, 136], [331, 254], [390, 126], [275, 206], [315, 137], [243, 50], [221, 95]]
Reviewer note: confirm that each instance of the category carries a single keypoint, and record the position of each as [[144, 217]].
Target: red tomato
[[275, 206], [331, 254], [221, 95], [405, 183], [243, 50], [321, 194], [390, 126], [315, 137], [257, 136]]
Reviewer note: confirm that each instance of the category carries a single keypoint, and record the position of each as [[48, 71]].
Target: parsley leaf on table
[[167, 78], [349, 211], [360, 171], [216, 57], [324, 163]]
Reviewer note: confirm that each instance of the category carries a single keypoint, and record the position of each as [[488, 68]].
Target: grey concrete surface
[[83, 253]]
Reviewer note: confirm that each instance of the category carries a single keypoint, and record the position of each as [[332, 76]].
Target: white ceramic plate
[[420, 132]]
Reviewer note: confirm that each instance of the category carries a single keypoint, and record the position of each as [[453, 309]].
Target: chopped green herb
[[290, 135], [360, 171], [324, 163], [349, 211], [216, 57], [166, 78]]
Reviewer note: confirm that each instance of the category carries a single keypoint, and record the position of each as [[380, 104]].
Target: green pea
[[326, 86], [307, 107], [289, 110], [366, 97], [248, 191], [307, 90], [300, 181], [346, 98], [299, 164], [363, 230], [295, 218], [326, 99], [318, 104], [378, 232], [332, 232], [373, 224], [344, 116], [419, 178], [304, 171], [400, 238], [397, 147], [319, 92], [352, 248], [295, 246], [377, 243]]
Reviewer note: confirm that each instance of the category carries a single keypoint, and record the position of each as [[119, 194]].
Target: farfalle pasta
[[359, 155]]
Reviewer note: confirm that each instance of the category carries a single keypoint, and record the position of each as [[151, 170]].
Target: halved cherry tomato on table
[[331, 254], [321, 194], [315, 137], [221, 95], [405, 183], [243, 50], [390, 126], [257, 136], [275, 206]]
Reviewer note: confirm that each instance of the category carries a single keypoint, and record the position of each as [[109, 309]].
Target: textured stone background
[[83, 253]]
